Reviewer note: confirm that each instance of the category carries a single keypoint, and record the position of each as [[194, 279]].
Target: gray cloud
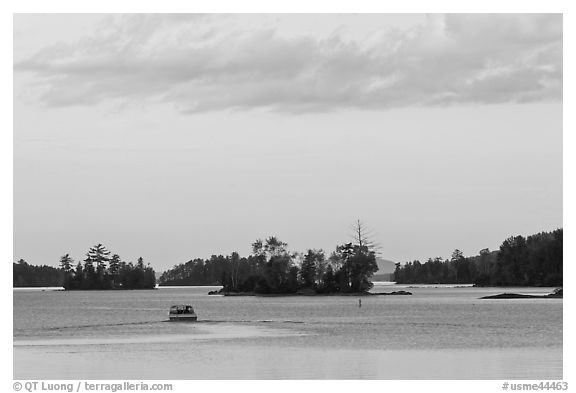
[[197, 64]]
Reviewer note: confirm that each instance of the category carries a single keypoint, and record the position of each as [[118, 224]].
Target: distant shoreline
[[62, 289]]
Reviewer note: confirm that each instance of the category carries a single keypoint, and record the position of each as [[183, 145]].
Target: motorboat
[[182, 312]]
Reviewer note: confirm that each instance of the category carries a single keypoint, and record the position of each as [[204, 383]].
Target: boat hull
[[182, 318]]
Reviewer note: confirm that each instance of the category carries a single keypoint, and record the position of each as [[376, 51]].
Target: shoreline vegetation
[[272, 270], [99, 272], [532, 261]]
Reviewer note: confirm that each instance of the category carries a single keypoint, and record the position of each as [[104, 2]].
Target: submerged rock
[[401, 293], [393, 293]]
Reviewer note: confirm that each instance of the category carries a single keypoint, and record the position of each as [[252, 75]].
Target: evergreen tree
[[328, 281], [26, 275], [92, 275], [66, 263], [114, 265], [99, 256], [308, 271], [457, 260]]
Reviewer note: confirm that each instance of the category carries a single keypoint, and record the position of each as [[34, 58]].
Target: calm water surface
[[437, 333]]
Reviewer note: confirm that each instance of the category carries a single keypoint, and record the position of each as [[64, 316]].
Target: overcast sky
[[179, 136]]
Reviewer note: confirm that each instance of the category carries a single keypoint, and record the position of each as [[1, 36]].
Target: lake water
[[437, 333]]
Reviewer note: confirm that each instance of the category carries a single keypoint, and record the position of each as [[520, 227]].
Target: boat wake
[[204, 332]]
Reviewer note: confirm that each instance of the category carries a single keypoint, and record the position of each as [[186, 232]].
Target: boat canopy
[[181, 309]]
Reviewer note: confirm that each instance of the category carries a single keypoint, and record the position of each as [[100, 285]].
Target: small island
[[98, 272], [271, 270], [557, 294]]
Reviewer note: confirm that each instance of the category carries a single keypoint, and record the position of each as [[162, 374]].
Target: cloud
[[200, 63]]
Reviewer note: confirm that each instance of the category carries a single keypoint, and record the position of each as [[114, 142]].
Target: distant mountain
[[385, 270], [385, 266]]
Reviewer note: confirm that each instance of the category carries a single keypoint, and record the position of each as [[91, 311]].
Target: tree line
[[99, 271], [272, 269], [26, 275], [532, 261]]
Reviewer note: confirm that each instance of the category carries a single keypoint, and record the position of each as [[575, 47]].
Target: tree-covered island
[[272, 269], [99, 271]]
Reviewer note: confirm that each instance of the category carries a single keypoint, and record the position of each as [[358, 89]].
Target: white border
[[231, 6]]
